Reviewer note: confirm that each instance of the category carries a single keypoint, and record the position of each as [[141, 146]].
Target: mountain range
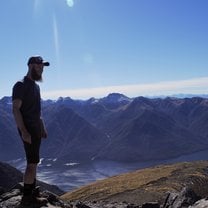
[[114, 127]]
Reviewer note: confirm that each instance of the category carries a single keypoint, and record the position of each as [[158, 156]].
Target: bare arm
[[16, 104]]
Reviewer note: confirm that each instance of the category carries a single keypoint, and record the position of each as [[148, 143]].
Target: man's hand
[[26, 137], [16, 105]]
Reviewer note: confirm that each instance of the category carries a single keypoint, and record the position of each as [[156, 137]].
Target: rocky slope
[[12, 198], [147, 185], [167, 186], [71, 137]]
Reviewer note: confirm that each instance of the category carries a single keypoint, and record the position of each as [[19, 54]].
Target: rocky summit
[[12, 198], [180, 185], [186, 198]]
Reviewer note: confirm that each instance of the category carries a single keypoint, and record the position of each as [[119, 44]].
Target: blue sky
[[95, 47]]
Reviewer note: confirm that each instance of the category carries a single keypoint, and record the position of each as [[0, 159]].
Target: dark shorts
[[32, 151]]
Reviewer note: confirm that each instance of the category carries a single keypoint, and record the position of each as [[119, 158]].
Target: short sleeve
[[18, 91]]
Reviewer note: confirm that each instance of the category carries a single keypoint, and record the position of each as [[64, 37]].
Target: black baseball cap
[[37, 60]]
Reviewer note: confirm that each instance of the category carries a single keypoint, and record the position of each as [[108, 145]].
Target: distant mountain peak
[[6, 100], [64, 99], [116, 97], [93, 100]]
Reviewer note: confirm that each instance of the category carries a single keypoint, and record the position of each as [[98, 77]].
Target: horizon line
[[195, 86], [164, 88]]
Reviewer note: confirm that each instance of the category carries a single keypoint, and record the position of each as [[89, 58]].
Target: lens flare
[[70, 3]]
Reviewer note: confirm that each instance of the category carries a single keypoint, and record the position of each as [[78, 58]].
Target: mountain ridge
[[114, 128]]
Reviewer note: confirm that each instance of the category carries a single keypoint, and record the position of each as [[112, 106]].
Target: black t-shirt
[[29, 92]]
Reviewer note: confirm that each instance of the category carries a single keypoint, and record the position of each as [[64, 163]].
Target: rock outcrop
[[12, 198], [186, 198]]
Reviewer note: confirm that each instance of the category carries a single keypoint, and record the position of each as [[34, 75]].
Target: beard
[[35, 76]]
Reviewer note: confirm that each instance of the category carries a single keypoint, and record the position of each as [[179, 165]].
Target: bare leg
[[29, 181], [30, 173]]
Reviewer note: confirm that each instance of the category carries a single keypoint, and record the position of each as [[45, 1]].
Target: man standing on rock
[[27, 113]]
